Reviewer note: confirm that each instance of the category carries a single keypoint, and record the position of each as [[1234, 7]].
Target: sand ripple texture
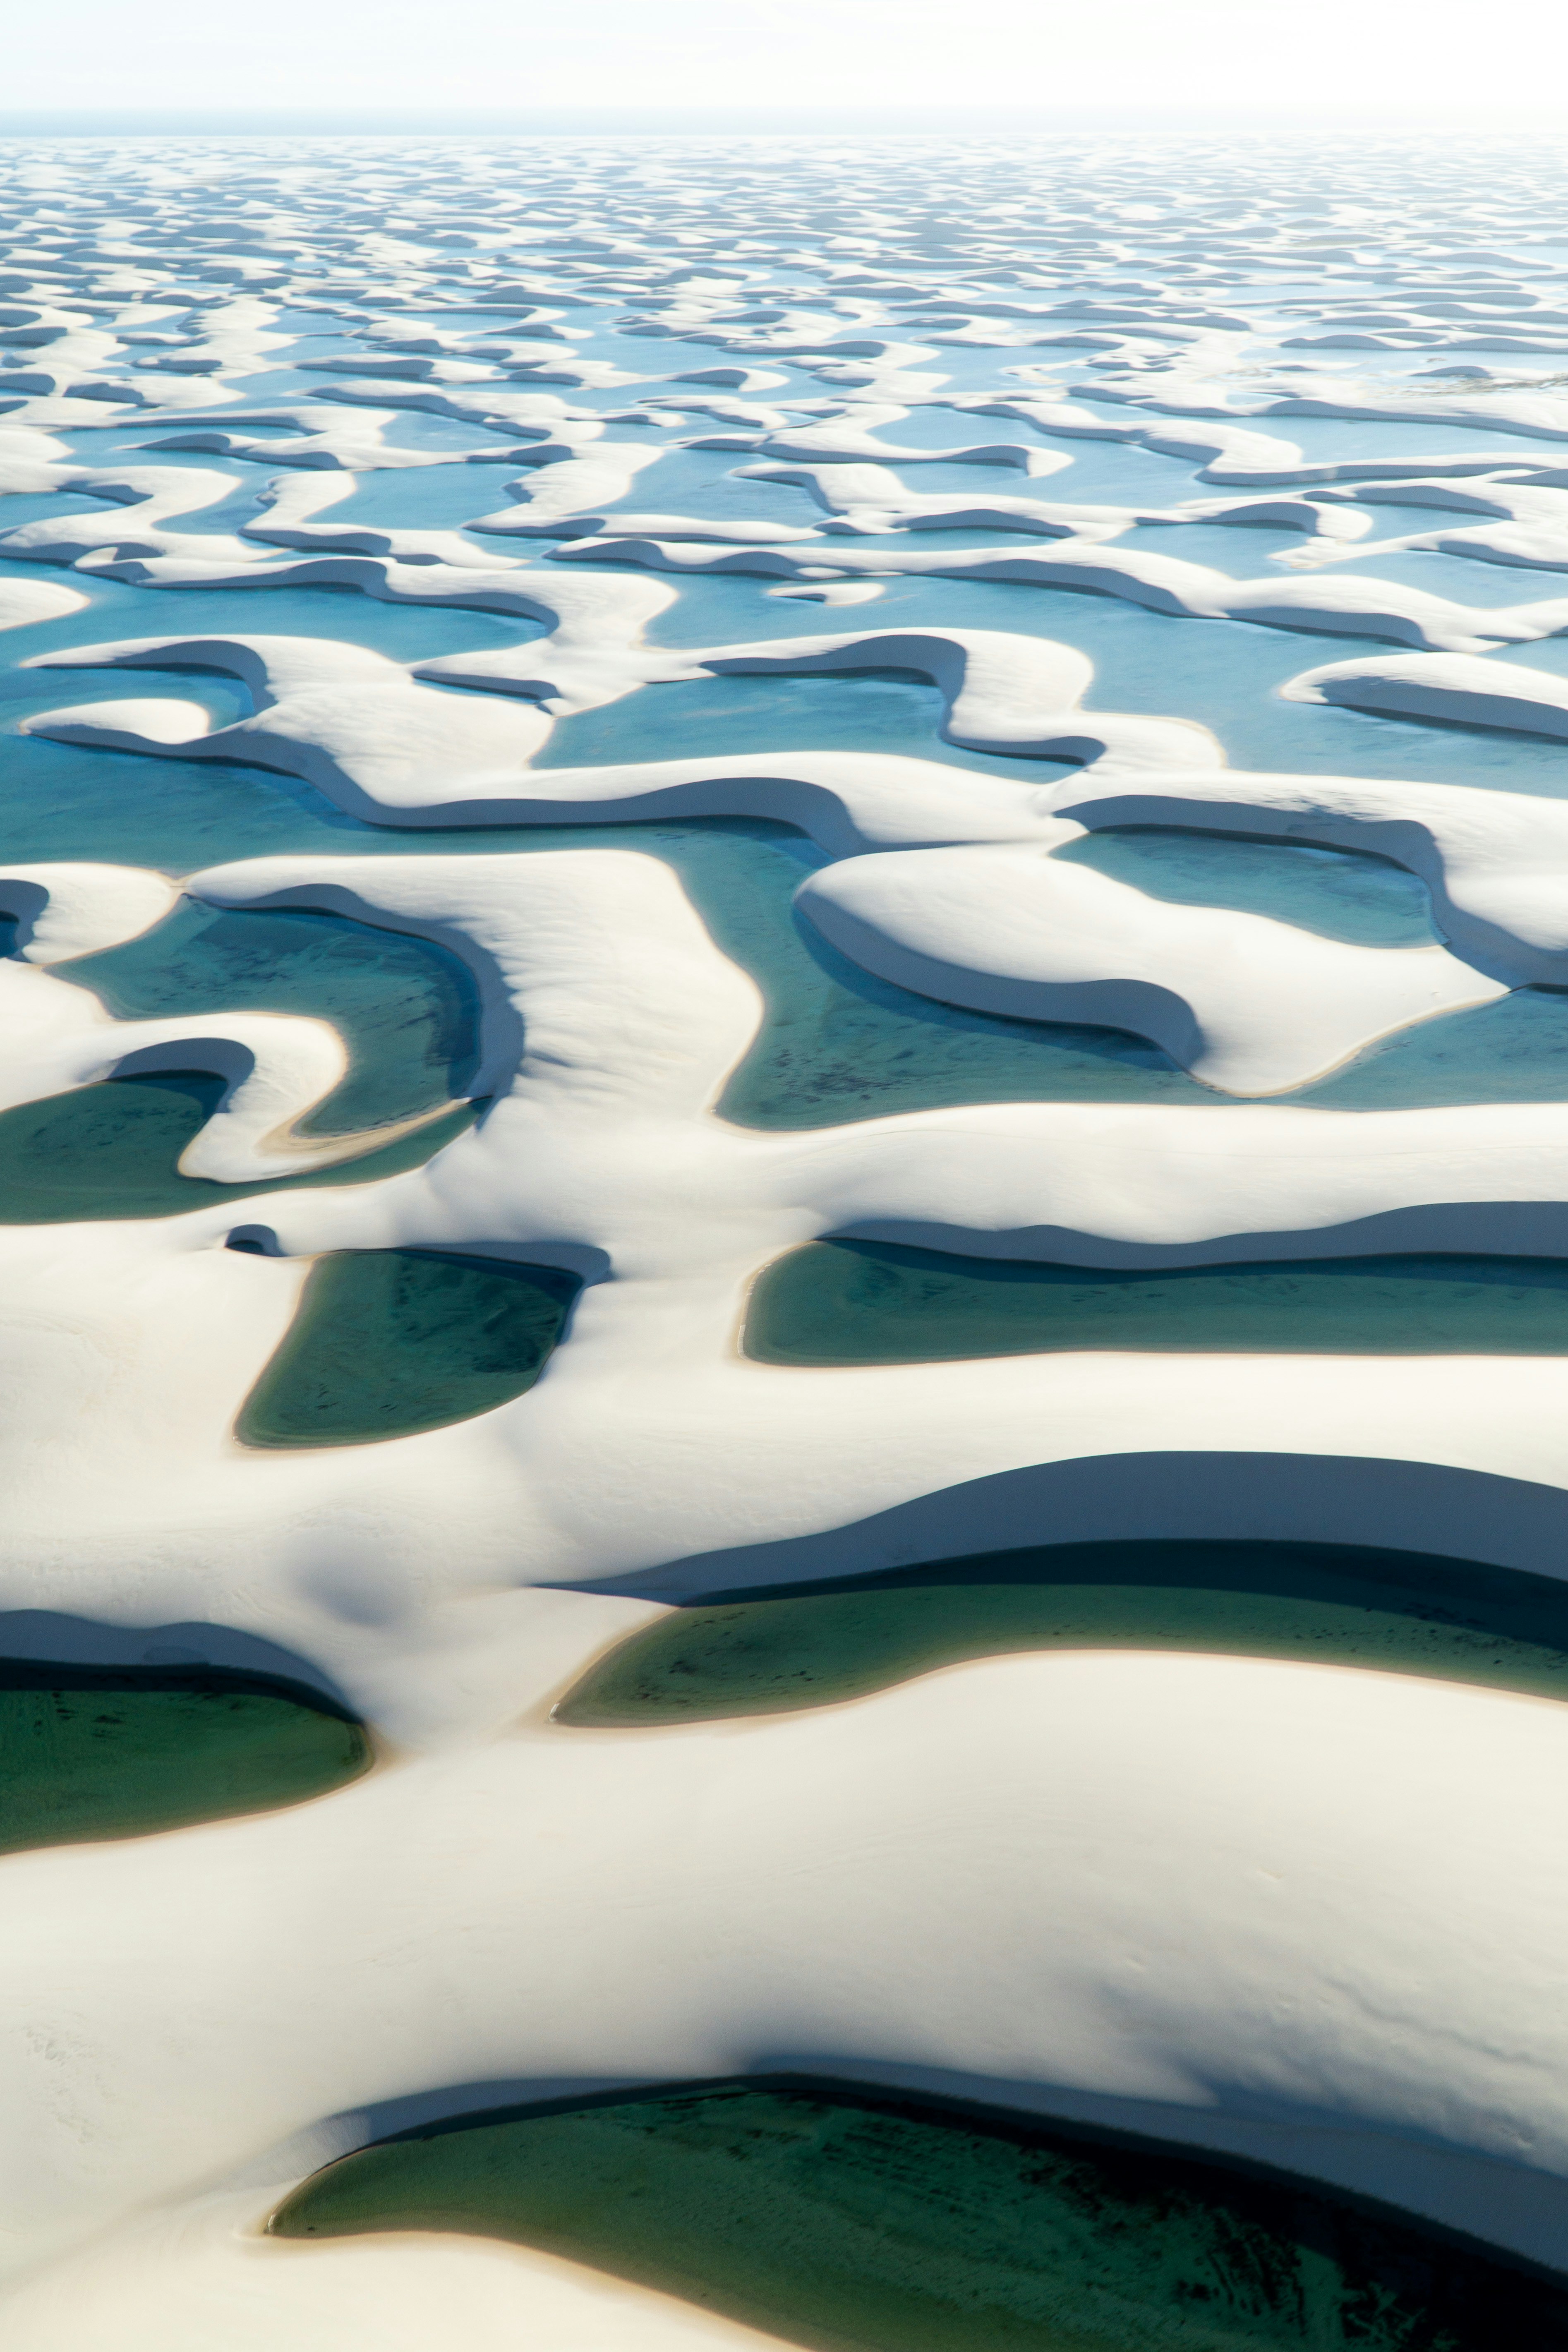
[[384, 523]]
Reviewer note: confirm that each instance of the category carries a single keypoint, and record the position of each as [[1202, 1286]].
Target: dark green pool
[[386, 1342], [854, 1302], [113, 1151], [91, 1752], [853, 2224], [1395, 1613]]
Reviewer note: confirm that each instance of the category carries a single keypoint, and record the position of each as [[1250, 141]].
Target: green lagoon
[[846, 2221], [768, 1649], [862, 1302], [389, 1342], [91, 1752]]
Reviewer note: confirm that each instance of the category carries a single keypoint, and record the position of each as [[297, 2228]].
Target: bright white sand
[[1297, 1913], [1202, 1896], [202, 2275]]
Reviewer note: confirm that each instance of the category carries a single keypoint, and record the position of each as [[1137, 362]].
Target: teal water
[[427, 497], [27, 694], [389, 1342], [739, 713], [857, 1302], [1241, 550], [113, 1151], [837, 1043], [702, 484], [1325, 439], [1546, 653], [773, 1648], [269, 607], [17, 507], [406, 1009], [849, 2220], [1367, 902], [91, 1752], [1226, 675], [1465, 579], [1514, 1050]]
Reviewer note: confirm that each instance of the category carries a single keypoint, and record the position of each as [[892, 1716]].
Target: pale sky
[[720, 56]]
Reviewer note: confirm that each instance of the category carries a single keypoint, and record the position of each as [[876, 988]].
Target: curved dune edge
[[24, 602], [276, 1068], [1304, 1915], [1191, 1496], [1245, 1003], [1457, 688], [163, 2283], [111, 1151], [1338, 606], [366, 732], [829, 1641], [1413, 2059], [609, 1014], [65, 909]]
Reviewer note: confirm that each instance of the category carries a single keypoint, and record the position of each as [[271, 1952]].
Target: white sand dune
[[172, 2283], [975, 1883], [610, 1023], [1245, 1003], [277, 1065], [1459, 688], [1338, 606], [1291, 1914]]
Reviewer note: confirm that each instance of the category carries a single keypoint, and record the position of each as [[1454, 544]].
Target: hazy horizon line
[[1237, 115]]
